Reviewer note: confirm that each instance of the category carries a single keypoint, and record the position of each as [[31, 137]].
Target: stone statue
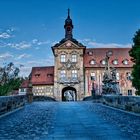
[[110, 85]]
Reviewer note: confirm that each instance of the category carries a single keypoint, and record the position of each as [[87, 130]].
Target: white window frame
[[74, 74], [62, 73], [62, 58], [93, 75], [117, 76], [74, 58]]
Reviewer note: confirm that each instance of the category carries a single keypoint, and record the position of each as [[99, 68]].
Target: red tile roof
[[42, 75], [25, 84], [98, 54]]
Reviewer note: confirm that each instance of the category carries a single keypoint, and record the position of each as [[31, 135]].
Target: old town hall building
[[78, 69]]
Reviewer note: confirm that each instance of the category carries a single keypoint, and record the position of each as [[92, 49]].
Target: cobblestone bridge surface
[[69, 121]]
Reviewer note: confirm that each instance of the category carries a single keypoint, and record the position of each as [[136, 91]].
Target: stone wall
[[9, 103], [43, 98], [129, 103]]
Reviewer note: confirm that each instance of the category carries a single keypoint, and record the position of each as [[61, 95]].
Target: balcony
[[69, 80]]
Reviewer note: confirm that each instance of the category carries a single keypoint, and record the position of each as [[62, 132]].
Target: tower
[[68, 69]]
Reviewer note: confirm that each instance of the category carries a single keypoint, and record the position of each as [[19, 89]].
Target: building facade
[[78, 69]]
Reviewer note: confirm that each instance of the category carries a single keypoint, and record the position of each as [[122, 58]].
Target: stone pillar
[[29, 94]]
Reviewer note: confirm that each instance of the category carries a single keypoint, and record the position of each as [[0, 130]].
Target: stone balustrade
[[9, 103], [129, 103]]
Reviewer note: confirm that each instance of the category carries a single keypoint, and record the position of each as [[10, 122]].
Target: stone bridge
[[69, 121]]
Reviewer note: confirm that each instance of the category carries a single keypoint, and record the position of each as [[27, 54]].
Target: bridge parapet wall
[[9, 103], [129, 103]]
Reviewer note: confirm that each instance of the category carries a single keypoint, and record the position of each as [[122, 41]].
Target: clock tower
[[68, 69]]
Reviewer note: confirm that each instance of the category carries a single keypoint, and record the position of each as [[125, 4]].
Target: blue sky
[[28, 28]]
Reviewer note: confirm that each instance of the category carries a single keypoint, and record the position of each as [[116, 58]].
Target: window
[[49, 75], [92, 76], [117, 76], [74, 58], [22, 89], [90, 53], [128, 76], [125, 62], [115, 62], [62, 73], [92, 62], [74, 73], [37, 75], [129, 92], [109, 53], [63, 58], [103, 62]]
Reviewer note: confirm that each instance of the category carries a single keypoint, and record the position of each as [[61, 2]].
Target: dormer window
[[103, 62], [109, 53], [92, 62], [37, 75], [49, 75], [125, 62], [115, 62], [90, 53]]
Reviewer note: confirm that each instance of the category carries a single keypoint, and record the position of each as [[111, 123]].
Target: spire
[[68, 13], [68, 26]]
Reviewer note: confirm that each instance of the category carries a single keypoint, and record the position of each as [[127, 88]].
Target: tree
[[135, 54], [9, 79]]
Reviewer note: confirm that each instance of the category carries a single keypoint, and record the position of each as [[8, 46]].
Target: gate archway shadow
[[69, 94]]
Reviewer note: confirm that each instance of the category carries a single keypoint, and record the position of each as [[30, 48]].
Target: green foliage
[[9, 79], [135, 54]]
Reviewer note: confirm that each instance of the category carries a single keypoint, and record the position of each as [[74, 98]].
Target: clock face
[[68, 44]]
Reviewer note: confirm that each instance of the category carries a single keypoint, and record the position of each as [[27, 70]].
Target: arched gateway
[[69, 94]]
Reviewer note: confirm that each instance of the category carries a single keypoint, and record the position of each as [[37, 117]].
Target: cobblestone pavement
[[69, 121]]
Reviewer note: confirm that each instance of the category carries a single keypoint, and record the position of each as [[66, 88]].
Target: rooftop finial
[[68, 12]]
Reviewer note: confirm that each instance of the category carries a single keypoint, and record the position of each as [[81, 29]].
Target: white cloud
[[25, 71], [23, 56], [6, 55], [37, 42], [20, 46], [108, 45], [5, 35], [34, 41], [92, 43], [8, 33], [54, 42]]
